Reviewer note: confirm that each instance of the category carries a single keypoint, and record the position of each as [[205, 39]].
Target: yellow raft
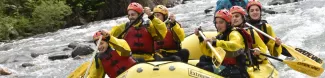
[[191, 43], [168, 69]]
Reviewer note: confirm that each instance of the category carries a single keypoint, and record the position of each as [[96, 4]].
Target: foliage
[[21, 18]]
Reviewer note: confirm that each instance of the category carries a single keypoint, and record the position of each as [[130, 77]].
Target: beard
[[132, 19]]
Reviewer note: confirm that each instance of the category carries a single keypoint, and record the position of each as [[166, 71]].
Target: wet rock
[[4, 71], [280, 2], [27, 64], [208, 10], [269, 11], [34, 55], [82, 50], [58, 57], [73, 44]]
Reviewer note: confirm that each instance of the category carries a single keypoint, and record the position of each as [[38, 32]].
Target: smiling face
[[254, 12], [132, 15], [221, 25], [236, 19], [102, 46]]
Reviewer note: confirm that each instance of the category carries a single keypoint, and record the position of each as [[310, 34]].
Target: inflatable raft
[[169, 69]]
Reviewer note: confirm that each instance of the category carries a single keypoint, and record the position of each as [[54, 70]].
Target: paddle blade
[[80, 71], [310, 55], [217, 62], [305, 68], [300, 57]]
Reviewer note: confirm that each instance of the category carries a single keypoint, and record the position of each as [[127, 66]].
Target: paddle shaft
[[93, 56], [128, 27], [275, 58], [258, 30], [211, 47]]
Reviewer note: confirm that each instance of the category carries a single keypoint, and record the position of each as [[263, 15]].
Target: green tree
[[49, 15], [29, 17]]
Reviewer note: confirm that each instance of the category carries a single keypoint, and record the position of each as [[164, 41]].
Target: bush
[[9, 26], [49, 15], [22, 18]]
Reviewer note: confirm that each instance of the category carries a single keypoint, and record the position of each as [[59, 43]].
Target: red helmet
[[224, 14], [97, 36], [136, 7], [237, 9], [253, 2]]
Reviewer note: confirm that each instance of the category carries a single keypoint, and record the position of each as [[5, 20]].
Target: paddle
[[302, 67], [129, 26], [92, 57], [218, 53], [297, 53]]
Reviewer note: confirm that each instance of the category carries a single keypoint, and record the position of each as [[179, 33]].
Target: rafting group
[[240, 48]]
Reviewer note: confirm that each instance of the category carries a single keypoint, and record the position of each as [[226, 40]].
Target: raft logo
[[309, 66], [197, 74]]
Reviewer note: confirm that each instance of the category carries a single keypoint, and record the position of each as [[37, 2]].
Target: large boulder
[[82, 50]]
